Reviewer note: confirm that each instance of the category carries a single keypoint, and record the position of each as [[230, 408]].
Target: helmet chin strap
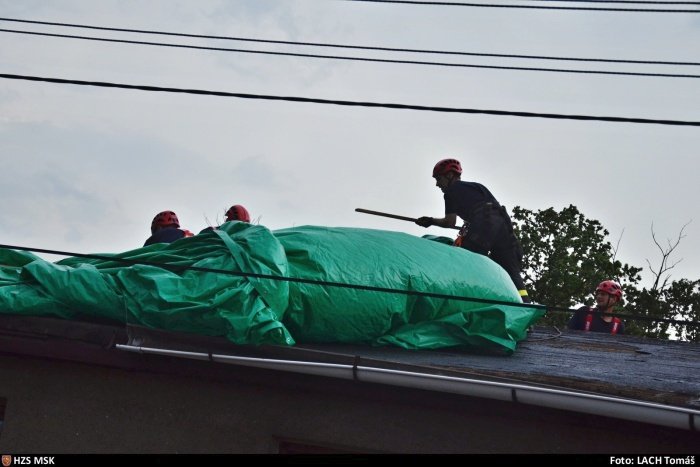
[[607, 307]]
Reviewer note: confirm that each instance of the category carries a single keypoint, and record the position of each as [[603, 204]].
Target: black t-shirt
[[578, 321], [165, 235], [462, 197]]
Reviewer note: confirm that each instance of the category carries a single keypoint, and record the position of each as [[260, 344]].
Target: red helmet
[[446, 166], [164, 219], [611, 287], [237, 213]]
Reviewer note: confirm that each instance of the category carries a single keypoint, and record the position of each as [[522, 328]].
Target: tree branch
[[665, 266]]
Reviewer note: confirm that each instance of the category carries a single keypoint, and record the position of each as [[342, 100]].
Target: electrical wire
[[361, 59], [349, 103], [644, 2], [342, 46], [179, 268], [535, 7]]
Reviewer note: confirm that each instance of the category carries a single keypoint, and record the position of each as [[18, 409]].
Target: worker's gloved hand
[[424, 221]]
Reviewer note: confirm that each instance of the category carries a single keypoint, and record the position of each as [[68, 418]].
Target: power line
[[360, 59], [181, 268], [536, 7], [342, 46], [350, 103], [646, 2]]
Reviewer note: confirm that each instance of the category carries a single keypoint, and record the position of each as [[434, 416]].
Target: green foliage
[[566, 257], [649, 303], [680, 300]]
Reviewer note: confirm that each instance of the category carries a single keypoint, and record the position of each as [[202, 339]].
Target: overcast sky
[[85, 169]]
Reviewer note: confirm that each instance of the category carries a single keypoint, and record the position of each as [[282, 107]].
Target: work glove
[[424, 221]]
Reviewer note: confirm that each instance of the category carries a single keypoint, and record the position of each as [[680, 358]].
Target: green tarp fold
[[328, 299]]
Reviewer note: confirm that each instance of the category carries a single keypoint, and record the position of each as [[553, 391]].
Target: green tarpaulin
[[339, 289]]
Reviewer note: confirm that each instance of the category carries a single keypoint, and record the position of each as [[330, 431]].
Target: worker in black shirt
[[607, 295], [487, 228], [165, 228], [237, 212]]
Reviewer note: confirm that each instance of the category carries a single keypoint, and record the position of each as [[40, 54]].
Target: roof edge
[[562, 399]]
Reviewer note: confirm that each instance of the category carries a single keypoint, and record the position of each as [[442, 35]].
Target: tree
[[565, 257], [678, 300], [683, 299], [661, 275]]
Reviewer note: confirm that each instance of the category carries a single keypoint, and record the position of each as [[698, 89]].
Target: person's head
[[237, 213], [446, 172], [164, 219], [608, 294]]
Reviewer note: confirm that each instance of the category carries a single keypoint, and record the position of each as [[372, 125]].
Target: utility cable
[[341, 46], [350, 103], [361, 59], [644, 2], [535, 7], [178, 268]]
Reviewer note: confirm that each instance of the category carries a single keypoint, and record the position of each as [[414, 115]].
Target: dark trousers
[[491, 234]]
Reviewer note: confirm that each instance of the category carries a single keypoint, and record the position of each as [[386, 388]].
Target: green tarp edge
[[254, 310]]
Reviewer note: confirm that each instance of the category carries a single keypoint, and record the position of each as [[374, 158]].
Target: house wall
[[158, 404]]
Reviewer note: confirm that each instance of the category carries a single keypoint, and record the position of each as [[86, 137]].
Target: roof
[[621, 376]]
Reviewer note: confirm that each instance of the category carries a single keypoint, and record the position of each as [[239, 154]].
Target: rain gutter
[[595, 404]]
